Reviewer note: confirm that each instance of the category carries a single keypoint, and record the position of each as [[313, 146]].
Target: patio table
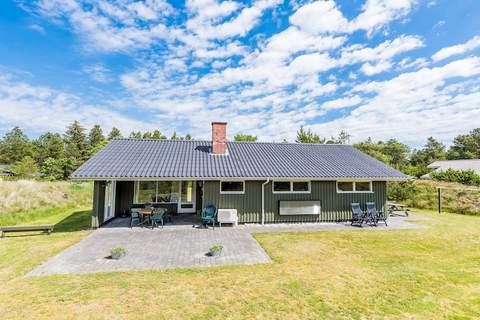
[[146, 214]]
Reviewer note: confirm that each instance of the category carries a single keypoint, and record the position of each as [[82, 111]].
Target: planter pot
[[214, 253], [118, 256]]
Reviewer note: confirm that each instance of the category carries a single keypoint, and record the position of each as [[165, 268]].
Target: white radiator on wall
[[227, 216], [288, 208]]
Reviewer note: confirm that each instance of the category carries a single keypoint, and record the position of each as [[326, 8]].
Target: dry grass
[[431, 273], [456, 197], [22, 200]]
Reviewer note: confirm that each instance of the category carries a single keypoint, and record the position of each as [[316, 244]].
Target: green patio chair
[[135, 218], [209, 215], [158, 215]]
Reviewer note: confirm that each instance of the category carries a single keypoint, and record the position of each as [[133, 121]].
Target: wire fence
[[458, 200]]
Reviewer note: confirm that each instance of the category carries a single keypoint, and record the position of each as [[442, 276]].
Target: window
[[291, 187], [354, 186], [168, 191], [232, 187], [281, 186], [156, 191], [363, 186], [303, 186], [146, 191], [344, 186]]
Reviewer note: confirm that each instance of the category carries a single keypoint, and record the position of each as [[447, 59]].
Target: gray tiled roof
[[470, 164], [130, 158]]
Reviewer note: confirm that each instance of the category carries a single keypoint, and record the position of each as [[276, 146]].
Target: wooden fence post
[[439, 200]]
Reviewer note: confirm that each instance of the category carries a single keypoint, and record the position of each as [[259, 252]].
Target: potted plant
[[117, 253], [215, 250]]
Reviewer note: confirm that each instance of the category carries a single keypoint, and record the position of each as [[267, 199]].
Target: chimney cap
[[219, 122]]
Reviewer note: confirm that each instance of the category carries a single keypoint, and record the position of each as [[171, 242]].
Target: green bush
[[468, 177], [118, 250], [401, 190]]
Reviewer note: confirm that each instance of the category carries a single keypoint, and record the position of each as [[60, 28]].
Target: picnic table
[[394, 208]]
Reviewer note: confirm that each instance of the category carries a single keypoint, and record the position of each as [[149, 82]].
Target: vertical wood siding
[[248, 205], [334, 206]]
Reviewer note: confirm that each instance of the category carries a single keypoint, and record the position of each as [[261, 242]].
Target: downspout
[[263, 200]]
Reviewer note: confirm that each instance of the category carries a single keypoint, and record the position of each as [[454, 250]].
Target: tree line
[[54, 156], [396, 154]]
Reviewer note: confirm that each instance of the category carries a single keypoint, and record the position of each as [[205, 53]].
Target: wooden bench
[[4, 230]]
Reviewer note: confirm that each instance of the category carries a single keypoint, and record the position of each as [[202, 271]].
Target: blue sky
[[375, 68]]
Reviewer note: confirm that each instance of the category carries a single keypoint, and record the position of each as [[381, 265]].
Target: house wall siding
[[334, 206]]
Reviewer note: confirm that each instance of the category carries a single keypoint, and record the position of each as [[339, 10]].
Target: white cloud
[[384, 51], [41, 108], [409, 63], [319, 17], [38, 28], [204, 23], [342, 103], [379, 67], [110, 26], [439, 24], [98, 73], [448, 52], [415, 105], [324, 16], [377, 13]]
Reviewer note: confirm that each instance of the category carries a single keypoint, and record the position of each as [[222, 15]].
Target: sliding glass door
[[187, 197], [181, 193]]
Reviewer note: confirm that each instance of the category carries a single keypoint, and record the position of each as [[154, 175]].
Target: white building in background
[[470, 164]]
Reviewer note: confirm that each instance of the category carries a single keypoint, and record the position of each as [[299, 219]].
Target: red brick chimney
[[219, 137]]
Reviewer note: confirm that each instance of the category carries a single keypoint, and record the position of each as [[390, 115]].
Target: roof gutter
[[263, 200]]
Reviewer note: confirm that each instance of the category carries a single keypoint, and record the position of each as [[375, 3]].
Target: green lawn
[[431, 273]]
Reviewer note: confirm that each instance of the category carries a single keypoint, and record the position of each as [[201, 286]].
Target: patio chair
[[357, 214], [209, 215], [134, 217], [157, 217], [375, 214]]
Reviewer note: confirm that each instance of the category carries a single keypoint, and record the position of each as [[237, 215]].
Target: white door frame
[[193, 202], [110, 192]]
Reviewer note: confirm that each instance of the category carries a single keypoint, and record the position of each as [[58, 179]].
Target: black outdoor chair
[[375, 214], [357, 214]]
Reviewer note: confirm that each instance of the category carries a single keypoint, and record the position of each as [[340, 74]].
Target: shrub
[[216, 248], [468, 177], [25, 168], [118, 251], [401, 190]]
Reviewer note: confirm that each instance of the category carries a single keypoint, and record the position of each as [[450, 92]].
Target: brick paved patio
[[176, 246], [155, 249]]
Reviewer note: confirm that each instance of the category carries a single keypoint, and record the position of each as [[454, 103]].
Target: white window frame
[[232, 192], [354, 182], [291, 186]]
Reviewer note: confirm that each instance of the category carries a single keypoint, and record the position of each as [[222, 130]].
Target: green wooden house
[[264, 182]]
